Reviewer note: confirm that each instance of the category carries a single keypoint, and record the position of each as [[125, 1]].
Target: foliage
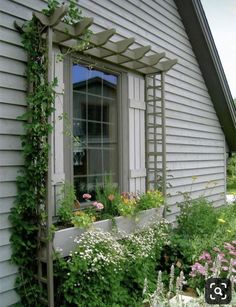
[[151, 199], [66, 204], [109, 272], [197, 217], [82, 219], [109, 196], [231, 173], [128, 204], [28, 215]]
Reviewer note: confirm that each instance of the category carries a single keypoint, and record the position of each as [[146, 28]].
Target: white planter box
[[64, 238]]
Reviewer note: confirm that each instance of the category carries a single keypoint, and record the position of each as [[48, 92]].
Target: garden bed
[[122, 226]]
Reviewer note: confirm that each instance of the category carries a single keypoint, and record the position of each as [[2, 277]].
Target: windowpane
[[95, 128]]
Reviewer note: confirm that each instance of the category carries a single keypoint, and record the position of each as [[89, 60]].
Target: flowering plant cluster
[[105, 271], [128, 204], [151, 199], [220, 263], [83, 219], [110, 203]]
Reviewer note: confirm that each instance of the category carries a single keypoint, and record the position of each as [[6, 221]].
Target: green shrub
[[197, 217]]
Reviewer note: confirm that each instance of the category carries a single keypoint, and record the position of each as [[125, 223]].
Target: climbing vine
[[28, 214]]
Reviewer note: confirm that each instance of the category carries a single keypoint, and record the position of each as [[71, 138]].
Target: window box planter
[[63, 241]]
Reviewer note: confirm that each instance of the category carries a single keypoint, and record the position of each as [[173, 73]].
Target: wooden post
[[163, 114], [49, 244]]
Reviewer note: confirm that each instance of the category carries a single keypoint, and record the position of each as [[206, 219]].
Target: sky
[[221, 16]]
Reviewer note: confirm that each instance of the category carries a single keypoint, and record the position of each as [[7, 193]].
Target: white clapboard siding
[[137, 109]]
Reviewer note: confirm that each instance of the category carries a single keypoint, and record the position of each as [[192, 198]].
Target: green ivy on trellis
[[28, 215]]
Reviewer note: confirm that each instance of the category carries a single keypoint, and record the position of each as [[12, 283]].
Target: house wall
[[195, 142]]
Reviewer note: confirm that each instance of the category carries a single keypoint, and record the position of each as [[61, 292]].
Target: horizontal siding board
[[193, 157], [195, 141], [8, 298], [7, 268], [11, 127], [6, 204], [12, 66], [11, 111], [201, 179], [13, 52], [8, 173], [10, 142], [7, 283], [5, 253], [187, 149], [196, 172], [10, 36], [171, 166], [5, 235], [188, 132], [202, 188], [193, 110], [12, 81], [12, 97], [11, 158], [8, 189], [198, 103], [4, 221], [7, 21]]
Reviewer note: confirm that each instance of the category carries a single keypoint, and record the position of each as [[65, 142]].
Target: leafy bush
[[197, 217]]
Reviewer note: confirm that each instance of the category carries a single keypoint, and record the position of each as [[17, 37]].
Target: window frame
[[122, 116]]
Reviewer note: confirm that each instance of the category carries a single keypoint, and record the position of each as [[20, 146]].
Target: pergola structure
[[101, 46]]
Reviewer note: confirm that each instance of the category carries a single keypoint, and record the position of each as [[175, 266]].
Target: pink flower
[[233, 253], [99, 206], [228, 246], [225, 268], [86, 196], [198, 268], [234, 242], [205, 256]]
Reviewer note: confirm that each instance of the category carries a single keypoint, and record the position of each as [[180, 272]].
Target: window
[[95, 117]]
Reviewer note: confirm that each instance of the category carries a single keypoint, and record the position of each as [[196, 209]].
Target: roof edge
[[199, 33]]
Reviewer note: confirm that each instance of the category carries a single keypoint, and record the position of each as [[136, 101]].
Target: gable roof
[[199, 33]]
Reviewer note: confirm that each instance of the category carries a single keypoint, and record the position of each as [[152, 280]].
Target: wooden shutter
[[137, 106], [57, 150]]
